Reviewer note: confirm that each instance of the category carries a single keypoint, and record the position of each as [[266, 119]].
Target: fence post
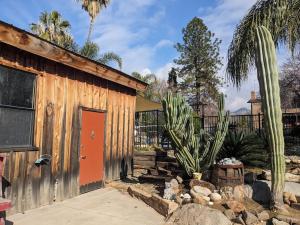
[[259, 125], [202, 121], [157, 135]]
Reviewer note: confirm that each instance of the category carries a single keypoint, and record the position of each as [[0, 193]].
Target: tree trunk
[[90, 30]]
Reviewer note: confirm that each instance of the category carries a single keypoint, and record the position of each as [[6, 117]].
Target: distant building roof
[[143, 104]]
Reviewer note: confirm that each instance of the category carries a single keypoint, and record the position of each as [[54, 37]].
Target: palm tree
[[93, 7], [52, 27], [281, 17], [91, 51], [151, 80]]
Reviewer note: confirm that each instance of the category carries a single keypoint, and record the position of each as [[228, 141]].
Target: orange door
[[91, 150]]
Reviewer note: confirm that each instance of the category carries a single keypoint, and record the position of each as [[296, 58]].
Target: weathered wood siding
[[60, 92]]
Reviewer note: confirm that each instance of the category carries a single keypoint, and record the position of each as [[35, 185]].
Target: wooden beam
[[30, 43]]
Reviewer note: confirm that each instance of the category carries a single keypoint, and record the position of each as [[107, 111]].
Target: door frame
[[88, 188]]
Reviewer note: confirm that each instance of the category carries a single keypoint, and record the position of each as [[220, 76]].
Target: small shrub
[[251, 149]]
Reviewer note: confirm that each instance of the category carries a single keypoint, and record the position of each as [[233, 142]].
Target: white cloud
[[162, 73], [164, 43], [222, 20]]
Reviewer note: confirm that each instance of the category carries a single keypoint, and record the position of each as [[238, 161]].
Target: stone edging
[[162, 206]]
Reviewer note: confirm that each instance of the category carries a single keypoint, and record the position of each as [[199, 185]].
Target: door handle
[[83, 157]]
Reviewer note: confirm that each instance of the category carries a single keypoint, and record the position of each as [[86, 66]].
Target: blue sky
[[143, 32]]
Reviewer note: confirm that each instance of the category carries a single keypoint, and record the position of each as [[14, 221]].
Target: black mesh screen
[[16, 108], [16, 127]]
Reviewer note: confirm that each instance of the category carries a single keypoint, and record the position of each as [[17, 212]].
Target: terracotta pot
[[197, 176]]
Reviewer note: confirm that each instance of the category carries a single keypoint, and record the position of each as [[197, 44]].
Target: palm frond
[[109, 57], [281, 17], [90, 50]]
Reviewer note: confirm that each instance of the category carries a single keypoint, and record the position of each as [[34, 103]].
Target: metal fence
[[149, 127]]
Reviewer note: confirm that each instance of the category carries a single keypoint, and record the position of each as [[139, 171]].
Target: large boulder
[[235, 206], [249, 218], [195, 214], [261, 192]]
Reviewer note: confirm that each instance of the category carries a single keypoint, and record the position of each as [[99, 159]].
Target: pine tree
[[199, 62]]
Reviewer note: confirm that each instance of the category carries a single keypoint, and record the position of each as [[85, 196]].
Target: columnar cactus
[[267, 74], [193, 151]]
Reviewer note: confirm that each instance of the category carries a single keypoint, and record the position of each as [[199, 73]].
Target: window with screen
[[16, 108]]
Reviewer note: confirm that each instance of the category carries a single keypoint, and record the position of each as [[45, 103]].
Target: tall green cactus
[[193, 151], [267, 74]]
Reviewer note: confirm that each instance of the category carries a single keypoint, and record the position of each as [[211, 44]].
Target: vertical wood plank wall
[[60, 91]]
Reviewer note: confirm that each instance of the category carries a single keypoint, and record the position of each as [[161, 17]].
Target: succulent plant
[[267, 73], [194, 152]]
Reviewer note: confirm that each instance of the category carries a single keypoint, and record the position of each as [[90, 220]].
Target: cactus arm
[[267, 74], [221, 131]]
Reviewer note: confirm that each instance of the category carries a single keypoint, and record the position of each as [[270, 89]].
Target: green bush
[[251, 149]]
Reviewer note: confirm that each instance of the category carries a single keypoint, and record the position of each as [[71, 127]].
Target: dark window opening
[[16, 108]]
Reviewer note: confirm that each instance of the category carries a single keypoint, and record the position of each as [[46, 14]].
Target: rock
[[162, 206], [278, 222], [226, 192], [289, 177], [250, 178], [197, 214], [248, 191], [187, 196], [229, 214], [295, 206], [179, 179], [235, 206], [169, 194], [287, 161], [178, 200], [288, 219], [249, 218], [210, 203], [264, 215], [201, 190], [202, 183], [239, 220], [215, 197], [174, 184], [261, 192], [295, 171], [200, 200], [295, 159], [239, 193], [289, 198]]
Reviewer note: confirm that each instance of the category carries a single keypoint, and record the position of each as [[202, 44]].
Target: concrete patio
[[105, 206]]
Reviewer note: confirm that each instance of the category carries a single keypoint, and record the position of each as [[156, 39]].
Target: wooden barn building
[[66, 122]]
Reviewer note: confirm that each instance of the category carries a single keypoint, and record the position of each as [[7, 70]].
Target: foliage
[[267, 74], [172, 80], [52, 27], [108, 57], [156, 89], [194, 152], [199, 62], [251, 149], [91, 51], [93, 7], [290, 83], [280, 17]]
